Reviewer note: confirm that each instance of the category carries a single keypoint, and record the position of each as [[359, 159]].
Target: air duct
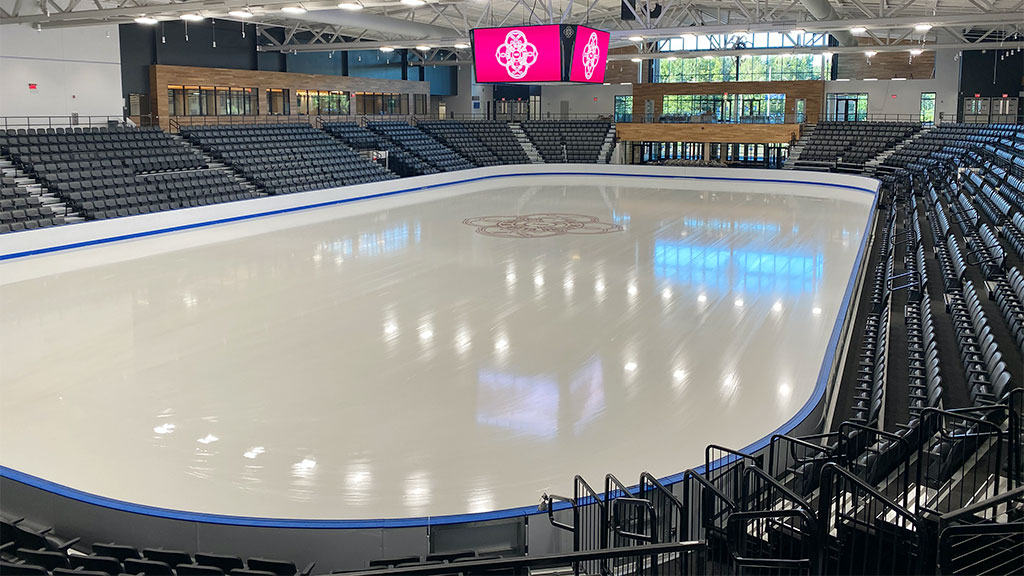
[[823, 10], [362, 20]]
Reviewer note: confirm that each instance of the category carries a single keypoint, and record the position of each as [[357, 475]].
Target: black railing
[[723, 468], [866, 533], [67, 121], [874, 454], [958, 460], [797, 462], [985, 538], [692, 552], [776, 542]]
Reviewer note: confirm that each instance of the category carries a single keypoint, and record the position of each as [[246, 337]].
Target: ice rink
[[433, 353]]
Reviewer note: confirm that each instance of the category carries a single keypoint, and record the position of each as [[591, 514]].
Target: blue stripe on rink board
[[170, 514]]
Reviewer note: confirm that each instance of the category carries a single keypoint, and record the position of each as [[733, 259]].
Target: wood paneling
[[732, 133], [160, 77], [886, 65], [813, 91]]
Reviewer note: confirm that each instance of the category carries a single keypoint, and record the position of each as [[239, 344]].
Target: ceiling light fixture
[[870, 53], [916, 52], [461, 46], [240, 14], [858, 30], [922, 27], [423, 48], [413, 3], [191, 17], [636, 60], [636, 38], [387, 49], [350, 6], [294, 10], [148, 20]]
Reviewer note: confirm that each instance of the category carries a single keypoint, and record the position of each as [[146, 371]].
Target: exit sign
[[31, 86]]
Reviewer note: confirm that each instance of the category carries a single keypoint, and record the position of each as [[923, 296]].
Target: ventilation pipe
[[823, 10], [396, 26]]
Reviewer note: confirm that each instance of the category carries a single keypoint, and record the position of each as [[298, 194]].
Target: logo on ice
[[517, 54], [591, 55]]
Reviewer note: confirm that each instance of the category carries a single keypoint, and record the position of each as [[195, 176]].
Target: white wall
[[907, 100], [581, 99], [74, 70]]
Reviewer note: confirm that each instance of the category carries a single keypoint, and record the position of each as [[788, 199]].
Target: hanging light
[[413, 3], [858, 30], [147, 20], [871, 53], [922, 27], [636, 38], [191, 17], [461, 46], [387, 49], [240, 14], [294, 10], [916, 52]]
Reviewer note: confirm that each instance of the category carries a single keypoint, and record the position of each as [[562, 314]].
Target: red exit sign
[[31, 86]]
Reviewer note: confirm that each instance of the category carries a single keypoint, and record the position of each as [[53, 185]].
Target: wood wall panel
[[886, 65], [813, 91], [731, 133], [162, 76]]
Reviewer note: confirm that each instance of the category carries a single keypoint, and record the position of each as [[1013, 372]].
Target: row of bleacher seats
[[286, 158], [456, 136], [20, 209], [399, 160], [25, 551], [419, 144], [854, 142], [568, 141], [498, 137]]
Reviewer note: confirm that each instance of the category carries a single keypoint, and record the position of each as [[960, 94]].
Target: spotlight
[[148, 20]]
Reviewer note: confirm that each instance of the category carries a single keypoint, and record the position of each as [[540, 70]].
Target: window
[[207, 101], [846, 107], [372, 103], [277, 102], [928, 107], [623, 108], [420, 104], [709, 68]]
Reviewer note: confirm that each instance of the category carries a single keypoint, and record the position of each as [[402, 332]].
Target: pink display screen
[[589, 55], [519, 54]]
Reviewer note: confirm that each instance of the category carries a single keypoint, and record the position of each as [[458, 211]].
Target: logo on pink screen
[[591, 55], [516, 55]]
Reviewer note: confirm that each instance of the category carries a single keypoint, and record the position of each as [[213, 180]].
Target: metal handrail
[[545, 561]]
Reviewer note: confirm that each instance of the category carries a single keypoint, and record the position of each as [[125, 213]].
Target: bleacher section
[[399, 160], [419, 144], [456, 136], [499, 139], [848, 146], [286, 158], [568, 141], [99, 173], [20, 209]]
